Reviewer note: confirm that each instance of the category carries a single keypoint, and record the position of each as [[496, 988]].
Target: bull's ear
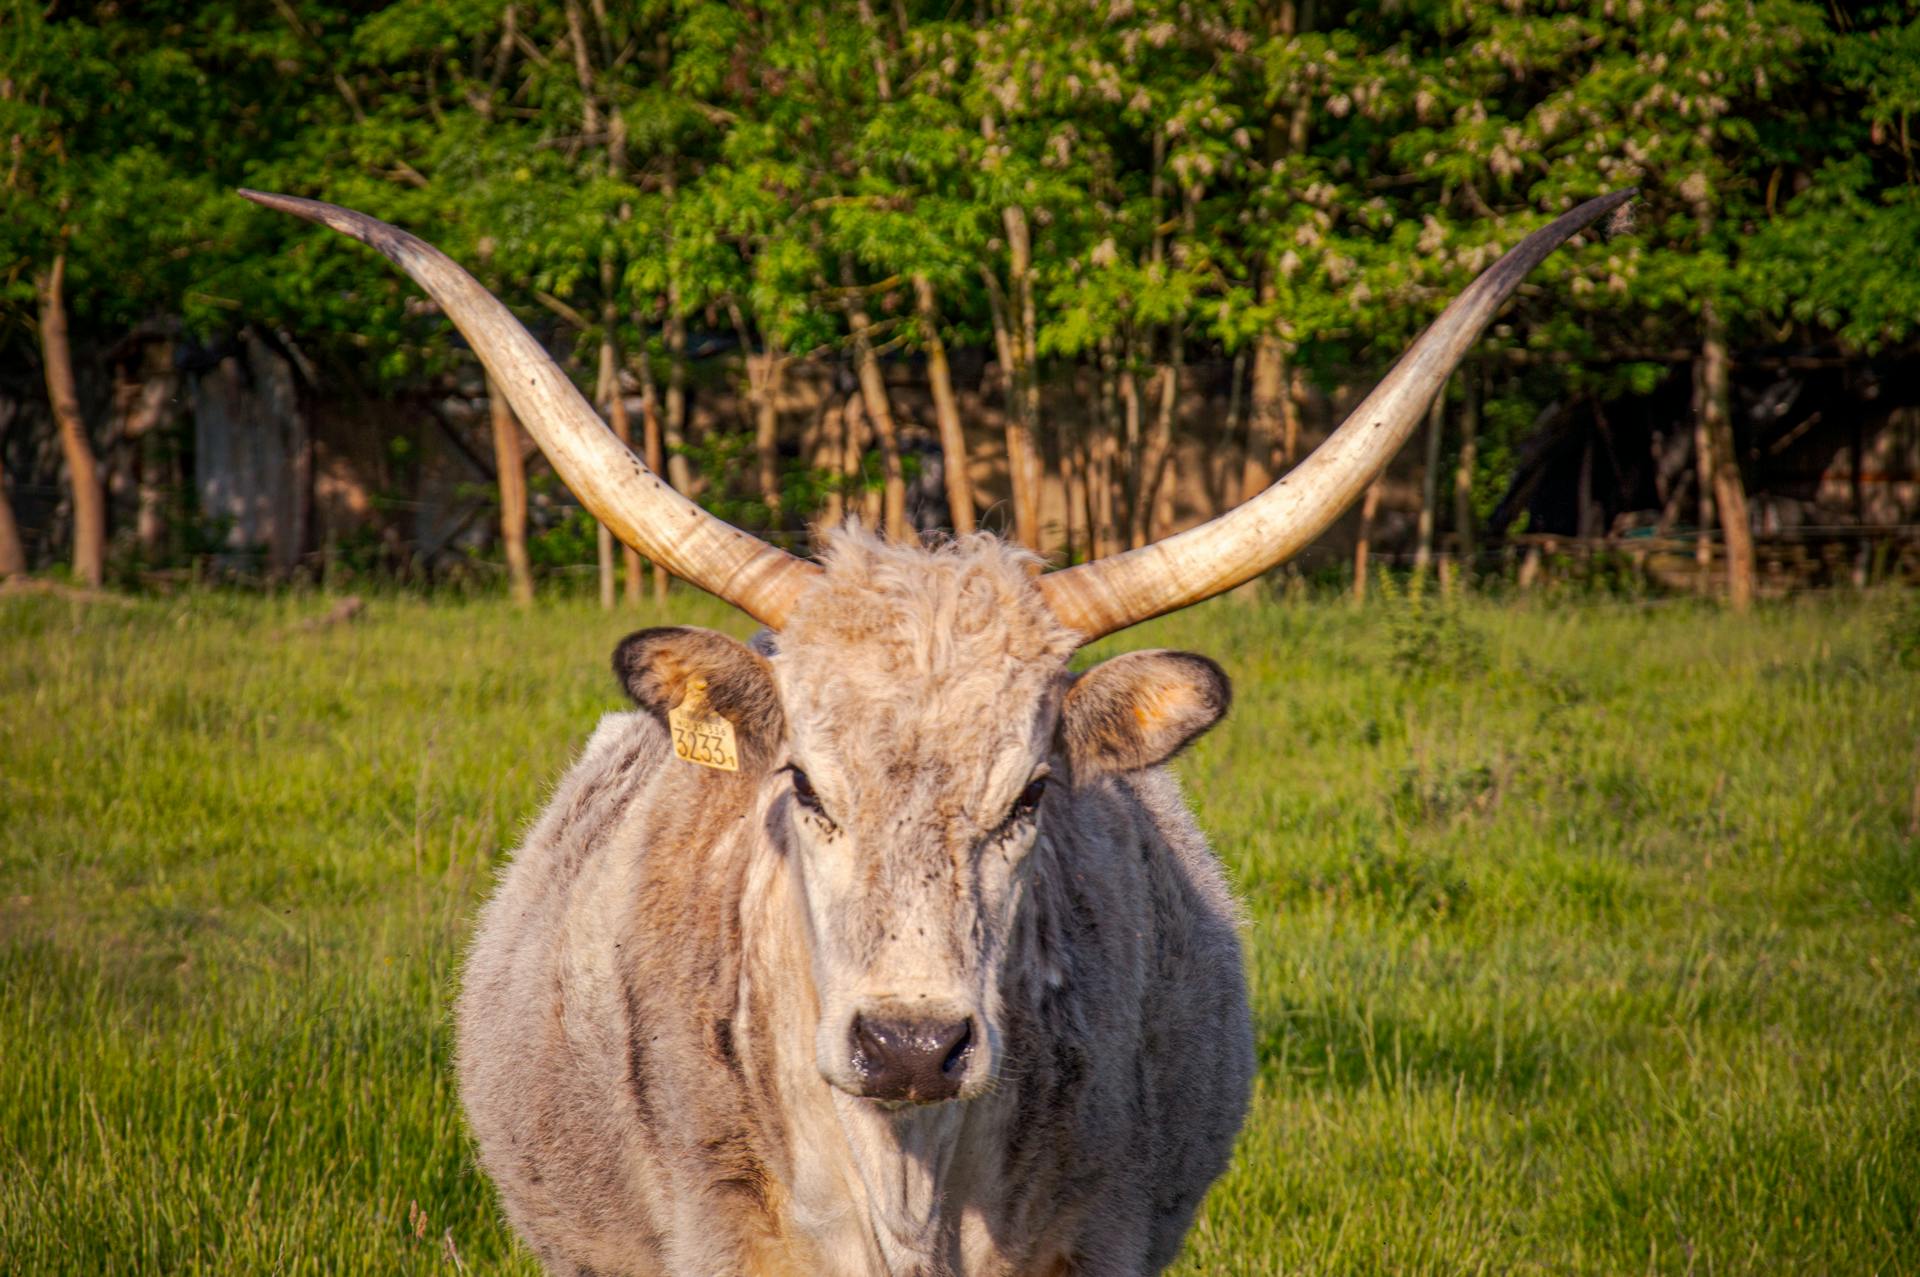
[[1139, 709], [659, 666]]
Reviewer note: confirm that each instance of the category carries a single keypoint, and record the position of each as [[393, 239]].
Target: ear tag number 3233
[[700, 735]]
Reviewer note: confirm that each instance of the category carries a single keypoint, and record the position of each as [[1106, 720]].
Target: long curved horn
[[634, 503], [1098, 598]]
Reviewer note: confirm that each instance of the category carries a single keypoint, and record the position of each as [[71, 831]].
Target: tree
[[83, 474], [13, 555], [1118, 201], [509, 459]]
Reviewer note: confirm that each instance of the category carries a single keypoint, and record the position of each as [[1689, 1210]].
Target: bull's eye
[[804, 793], [1029, 800]]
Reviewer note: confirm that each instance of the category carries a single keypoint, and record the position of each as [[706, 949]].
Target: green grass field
[[1583, 934]]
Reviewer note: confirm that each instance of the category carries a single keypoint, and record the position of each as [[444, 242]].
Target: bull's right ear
[[1139, 709], [658, 667]]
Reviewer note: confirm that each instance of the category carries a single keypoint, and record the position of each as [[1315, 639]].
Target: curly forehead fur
[[896, 628]]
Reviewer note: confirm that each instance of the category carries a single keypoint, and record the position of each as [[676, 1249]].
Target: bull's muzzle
[[911, 1061]]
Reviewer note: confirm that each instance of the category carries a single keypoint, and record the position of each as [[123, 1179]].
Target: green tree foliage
[[1195, 175]]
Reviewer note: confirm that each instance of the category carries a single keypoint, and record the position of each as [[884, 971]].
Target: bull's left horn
[[1098, 598], [635, 504]]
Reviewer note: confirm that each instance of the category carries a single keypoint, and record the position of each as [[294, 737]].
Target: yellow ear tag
[[700, 735]]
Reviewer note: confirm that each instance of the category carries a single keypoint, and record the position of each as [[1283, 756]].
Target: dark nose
[[920, 1061]]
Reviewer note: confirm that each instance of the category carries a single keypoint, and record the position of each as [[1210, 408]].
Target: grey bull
[[885, 944]]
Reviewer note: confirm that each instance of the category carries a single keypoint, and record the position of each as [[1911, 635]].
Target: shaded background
[[1153, 249]]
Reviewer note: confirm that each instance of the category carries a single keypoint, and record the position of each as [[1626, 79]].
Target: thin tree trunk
[[766, 436], [674, 427], [140, 406], [1429, 484], [873, 393], [1019, 438], [1730, 494], [1266, 420], [1532, 565], [1166, 479], [1703, 473], [1290, 405], [510, 466], [89, 500], [655, 450], [861, 499], [1584, 516], [1363, 545], [763, 376], [1104, 536], [1072, 499], [13, 554], [1131, 411], [615, 401], [1085, 443], [946, 410], [833, 443], [1463, 470], [1159, 447], [1226, 468], [1023, 434], [1029, 336], [582, 68]]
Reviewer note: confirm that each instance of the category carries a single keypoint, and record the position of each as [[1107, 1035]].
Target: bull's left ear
[[1139, 709], [658, 667]]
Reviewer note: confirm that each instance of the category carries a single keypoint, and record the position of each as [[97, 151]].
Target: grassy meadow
[[1583, 933]]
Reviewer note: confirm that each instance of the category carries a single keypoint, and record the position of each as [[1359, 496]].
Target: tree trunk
[[1266, 419], [1584, 515], [873, 394], [141, 403], [766, 437], [1024, 422], [1703, 486], [1463, 470], [1166, 479], [1019, 440], [1430, 484], [13, 555], [674, 428], [614, 402], [1225, 468], [832, 458], [946, 411], [1290, 405], [89, 500], [1363, 544], [1072, 499], [655, 450], [763, 376], [1130, 442], [1101, 477], [1159, 447], [509, 464], [862, 501], [1730, 494]]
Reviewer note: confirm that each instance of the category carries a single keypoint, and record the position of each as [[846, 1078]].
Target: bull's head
[[911, 718], [916, 733]]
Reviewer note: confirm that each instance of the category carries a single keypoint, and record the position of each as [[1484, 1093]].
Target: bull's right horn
[[1099, 598], [635, 504]]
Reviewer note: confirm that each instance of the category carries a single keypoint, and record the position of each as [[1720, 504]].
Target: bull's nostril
[[955, 1064], [870, 1049]]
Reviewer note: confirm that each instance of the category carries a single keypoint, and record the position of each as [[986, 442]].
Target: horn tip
[[395, 243]]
